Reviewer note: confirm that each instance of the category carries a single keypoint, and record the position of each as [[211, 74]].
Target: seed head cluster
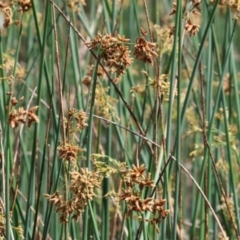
[[190, 27], [69, 152], [6, 10], [82, 186], [77, 120], [20, 115], [114, 52], [136, 182], [25, 5], [145, 51]]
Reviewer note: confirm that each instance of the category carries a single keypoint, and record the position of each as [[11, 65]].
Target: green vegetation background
[[186, 103]]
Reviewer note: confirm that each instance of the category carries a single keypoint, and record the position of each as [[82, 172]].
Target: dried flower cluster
[[6, 14], [82, 188], [6, 11], [20, 115], [69, 152], [159, 213], [74, 4], [144, 50], [191, 28], [114, 52], [25, 5], [136, 180], [81, 119], [193, 8], [77, 120]]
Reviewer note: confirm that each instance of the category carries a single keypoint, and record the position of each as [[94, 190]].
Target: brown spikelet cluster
[[25, 5], [191, 28], [77, 120], [6, 11], [136, 182], [194, 10], [82, 188], [81, 119], [60, 205], [114, 52], [69, 152], [20, 115], [144, 50]]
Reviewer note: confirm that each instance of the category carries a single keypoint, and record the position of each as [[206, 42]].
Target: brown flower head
[[25, 5], [135, 202], [20, 115], [174, 9], [81, 120], [79, 117], [144, 51], [159, 213], [6, 14], [61, 206], [82, 187], [137, 172], [16, 117], [69, 152], [191, 28], [115, 53], [31, 116]]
